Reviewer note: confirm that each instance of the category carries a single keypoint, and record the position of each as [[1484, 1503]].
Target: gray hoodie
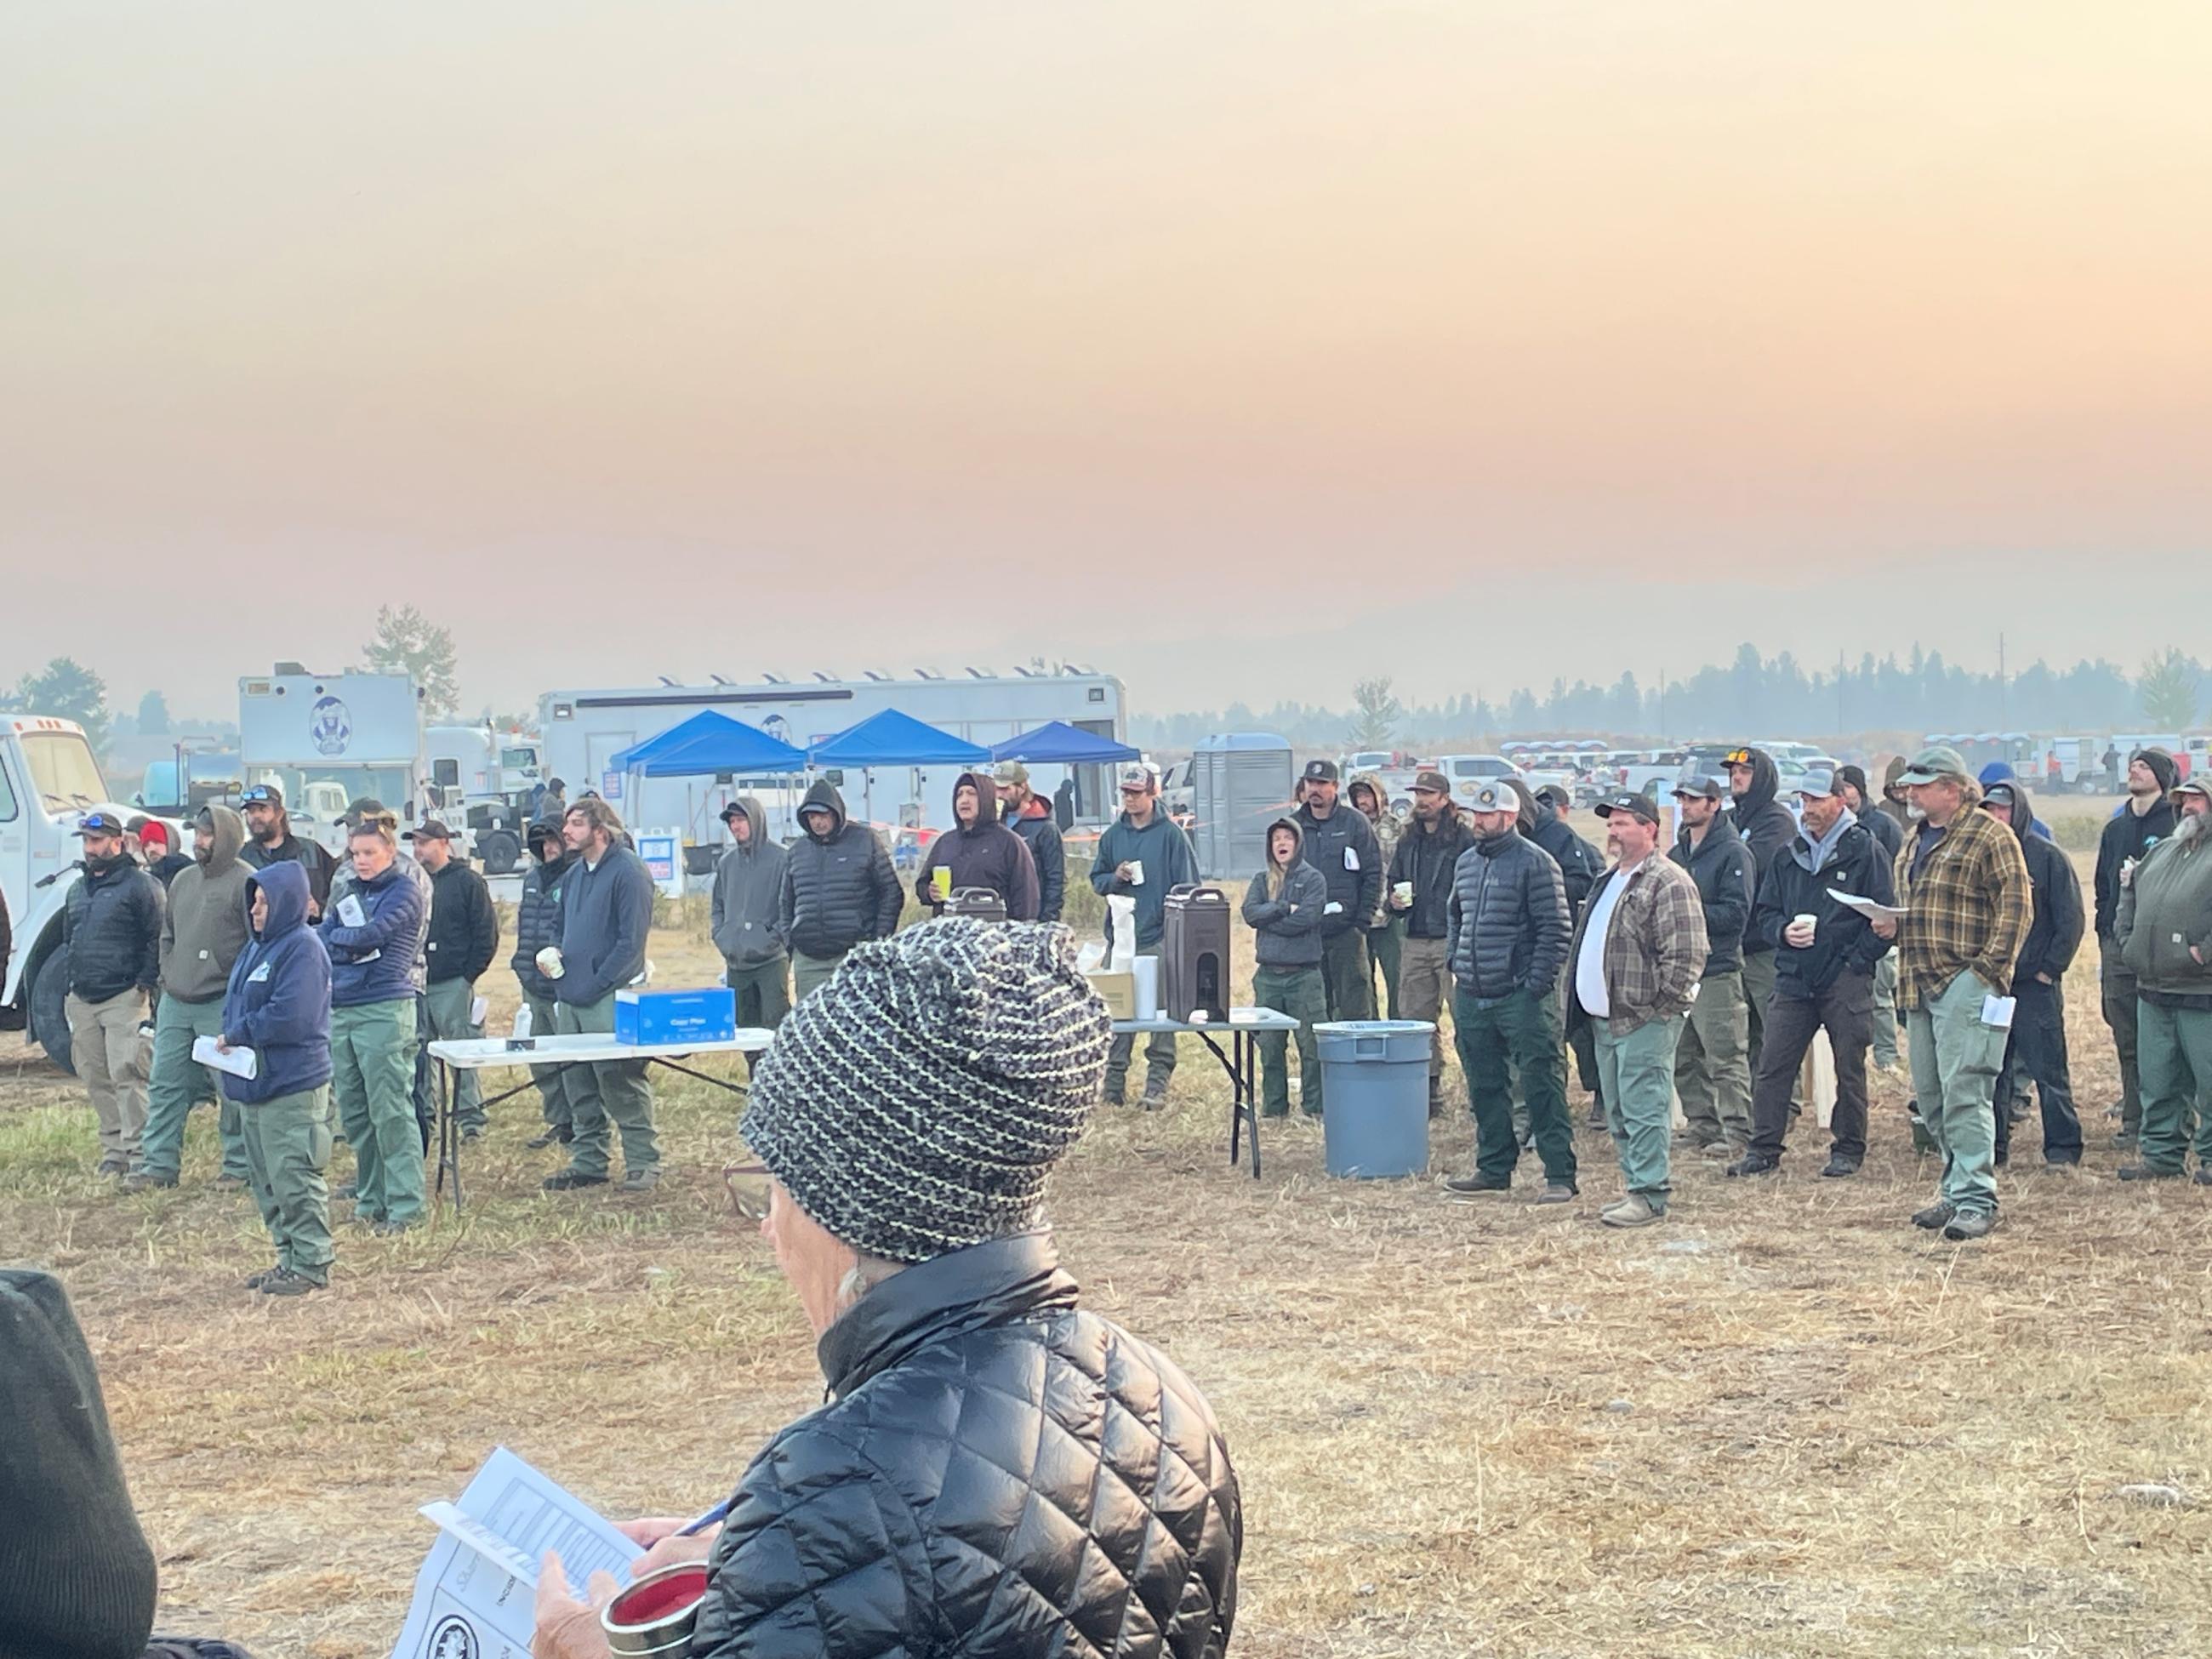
[[746, 883], [204, 927]]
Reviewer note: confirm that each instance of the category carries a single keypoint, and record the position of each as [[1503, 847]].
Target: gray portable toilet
[[1240, 784]]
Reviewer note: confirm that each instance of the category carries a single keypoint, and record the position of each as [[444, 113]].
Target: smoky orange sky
[[1242, 349]]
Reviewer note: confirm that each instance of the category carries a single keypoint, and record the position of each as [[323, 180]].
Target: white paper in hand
[[351, 914], [1866, 907], [1996, 1012], [238, 1062]]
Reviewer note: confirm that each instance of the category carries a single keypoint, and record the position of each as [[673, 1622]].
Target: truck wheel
[[47, 1005], [500, 850]]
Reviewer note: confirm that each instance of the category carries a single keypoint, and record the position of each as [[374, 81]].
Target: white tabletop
[[1243, 1019], [480, 1054]]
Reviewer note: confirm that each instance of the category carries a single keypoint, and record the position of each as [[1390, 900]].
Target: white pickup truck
[[48, 782]]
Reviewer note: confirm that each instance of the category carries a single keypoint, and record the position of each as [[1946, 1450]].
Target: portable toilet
[[1240, 783]]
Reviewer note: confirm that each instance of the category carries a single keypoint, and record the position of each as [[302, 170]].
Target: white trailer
[[358, 732], [582, 731], [49, 781], [487, 779]]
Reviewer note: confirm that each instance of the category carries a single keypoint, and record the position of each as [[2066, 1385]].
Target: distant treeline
[[1751, 696]]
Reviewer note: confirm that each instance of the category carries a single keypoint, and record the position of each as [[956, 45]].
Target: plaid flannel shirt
[[1967, 912], [1655, 951]]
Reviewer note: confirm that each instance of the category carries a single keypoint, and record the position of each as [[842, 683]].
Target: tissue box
[[1120, 991], [702, 1016]]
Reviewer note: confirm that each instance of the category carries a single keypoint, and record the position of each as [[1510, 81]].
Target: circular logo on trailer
[[330, 727], [453, 1639], [777, 727]]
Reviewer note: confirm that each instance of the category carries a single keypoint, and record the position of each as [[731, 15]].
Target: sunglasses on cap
[[748, 1186], [259, 795], [1737, 757]]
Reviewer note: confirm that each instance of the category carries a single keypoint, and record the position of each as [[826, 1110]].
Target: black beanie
[[76, 1577], [1855, 776], [2161, 767]]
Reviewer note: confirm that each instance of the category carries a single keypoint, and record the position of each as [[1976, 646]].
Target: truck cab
[[49, 781]]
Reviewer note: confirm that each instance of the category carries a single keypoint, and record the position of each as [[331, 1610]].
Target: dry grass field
[[1784, 1423]]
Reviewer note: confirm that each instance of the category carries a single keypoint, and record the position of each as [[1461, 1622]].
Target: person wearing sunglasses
[[904, 1128], [269, 840]]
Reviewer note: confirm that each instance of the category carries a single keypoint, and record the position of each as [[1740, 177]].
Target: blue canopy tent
[[708, 744], [1057, 742], [892, 739]]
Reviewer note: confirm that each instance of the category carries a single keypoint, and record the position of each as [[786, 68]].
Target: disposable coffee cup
[[1136, 872], [548, 961], [940, 881], [1403, 892], [656, 1614], [1806, 920]]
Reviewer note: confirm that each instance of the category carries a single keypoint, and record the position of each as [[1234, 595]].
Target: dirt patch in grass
[[1784, 1423]]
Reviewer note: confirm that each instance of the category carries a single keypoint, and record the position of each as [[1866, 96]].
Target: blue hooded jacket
[[278, 1000], [2002, 772], [381, 960]]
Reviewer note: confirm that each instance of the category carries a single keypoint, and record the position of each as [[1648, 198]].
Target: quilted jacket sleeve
[[822, 1558]]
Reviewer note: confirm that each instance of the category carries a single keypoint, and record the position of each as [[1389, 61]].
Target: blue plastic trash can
[[1375, 1087]]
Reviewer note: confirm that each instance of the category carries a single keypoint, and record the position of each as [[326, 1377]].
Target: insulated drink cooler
[[1375, 1078], [980, 902], [1194, 955]]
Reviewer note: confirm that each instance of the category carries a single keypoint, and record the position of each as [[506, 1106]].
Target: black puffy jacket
[[1508, 918], [998, 1476], [838, 889], [112, 923], [537, 923]]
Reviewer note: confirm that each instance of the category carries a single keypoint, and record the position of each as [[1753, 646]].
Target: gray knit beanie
[[916, 1101]]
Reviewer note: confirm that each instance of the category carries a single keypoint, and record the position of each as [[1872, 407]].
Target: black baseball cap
[[262, 794], [732, 811], [1630, 801], [429, 830], [99, 824], [1321, 771]]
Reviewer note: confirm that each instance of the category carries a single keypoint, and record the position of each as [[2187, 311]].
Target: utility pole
[[1839, 691], [1662, 732], [2002, 721]]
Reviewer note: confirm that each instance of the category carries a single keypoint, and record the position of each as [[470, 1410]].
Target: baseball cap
[[1940, 761], [1738, 758], [99, 824], [1816, 781], [1630, 801], [1321, 771], [1493, 795], [262, 794], [2192, 786], [1137, 776], [154, 830], [429, 830], [1431, 782], [1999, 794], [1557, 794], [1010, 771], [1705, 786], [732, 810]]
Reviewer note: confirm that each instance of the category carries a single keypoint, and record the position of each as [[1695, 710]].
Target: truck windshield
[[63, 769]]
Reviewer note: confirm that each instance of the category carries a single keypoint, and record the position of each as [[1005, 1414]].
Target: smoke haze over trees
[[1751, 696]]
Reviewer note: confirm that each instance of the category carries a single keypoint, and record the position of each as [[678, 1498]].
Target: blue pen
[[720, 1512]]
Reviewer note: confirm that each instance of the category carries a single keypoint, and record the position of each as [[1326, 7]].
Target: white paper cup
[[1806, 920], [1136, 872], [1404, 892], [549, 963]]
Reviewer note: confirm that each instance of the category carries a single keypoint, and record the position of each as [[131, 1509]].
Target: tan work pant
[[110, 1055]]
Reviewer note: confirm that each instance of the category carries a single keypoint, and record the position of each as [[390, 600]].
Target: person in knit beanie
[[907, 1119], [77, 1576]]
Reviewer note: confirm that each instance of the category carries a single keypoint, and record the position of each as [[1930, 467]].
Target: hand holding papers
[[238, 1062]]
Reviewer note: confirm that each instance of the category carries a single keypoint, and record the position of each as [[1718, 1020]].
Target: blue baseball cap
[[99, 824]]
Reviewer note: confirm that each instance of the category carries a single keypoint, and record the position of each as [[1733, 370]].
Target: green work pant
[[552, 1081], [2116, 986], [175, 1081], [1296, 992], [1347, 979], [1712, 1068], [1496, 1037], [1159, 1054], [1955, 1058], [1637, 1071], [2174, 1054], [287, 1146], [604, 1090], [1884, 1010], [807, 972], [447, 1003], [1385, 945], [373, 1076], [763, 993]]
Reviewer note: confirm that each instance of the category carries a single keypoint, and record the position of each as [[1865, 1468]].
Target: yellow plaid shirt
[[1968, 909]]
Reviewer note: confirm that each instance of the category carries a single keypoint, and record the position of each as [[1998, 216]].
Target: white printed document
[[1866, 907], [238, 1062], [474, 1593]]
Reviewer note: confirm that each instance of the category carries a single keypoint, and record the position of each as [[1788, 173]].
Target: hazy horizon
[[1242, 351]]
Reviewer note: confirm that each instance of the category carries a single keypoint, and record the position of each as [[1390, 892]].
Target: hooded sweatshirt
[[606, 911], [1388, 827], [1287, 929], [205, 927], [2055, 933], [1893, 804], [2128, 835], [1720, 865], [982, 853], [1579, 864], [2165, 922], [1764, 825], [1034, 824], [2002, 772], [278, 999], [838, 887], [1164, 851], [747, 882]]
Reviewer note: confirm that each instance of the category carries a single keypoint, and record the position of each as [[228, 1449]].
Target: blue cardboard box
[[708, 1015]]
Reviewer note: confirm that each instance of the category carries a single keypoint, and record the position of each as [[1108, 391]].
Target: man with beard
[[2036, 1051], [1712, 1072], [1386, 933], [1341, 845], [268, 838], [1884, 827], [979, 852], [1420, 888], [2146, 819], [112, 929], [1764, 826], [538, 926], [2163, 927]]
